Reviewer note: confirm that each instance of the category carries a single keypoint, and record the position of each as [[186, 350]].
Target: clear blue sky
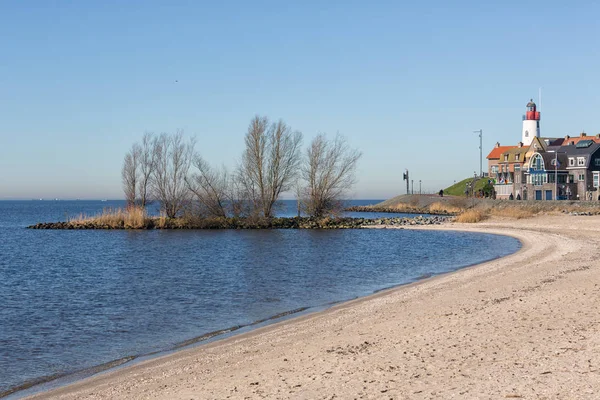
[[407, 83]]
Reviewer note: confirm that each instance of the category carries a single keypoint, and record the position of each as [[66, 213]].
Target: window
[[536, 163], [538, 179], [571, 161], [596, 179], [580, 161], [597, 162], [571, 178], [526, 133], [581, 177], [494, 169], [506, 157], [517, 157], [562, 179], [517, 167]]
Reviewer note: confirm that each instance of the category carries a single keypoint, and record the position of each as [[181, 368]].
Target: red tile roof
[[495, 153], [575, 140]]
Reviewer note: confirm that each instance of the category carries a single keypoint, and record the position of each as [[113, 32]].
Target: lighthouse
[[531, 124]]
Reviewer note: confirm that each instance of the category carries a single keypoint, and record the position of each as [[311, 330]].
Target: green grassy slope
[[458, 189]]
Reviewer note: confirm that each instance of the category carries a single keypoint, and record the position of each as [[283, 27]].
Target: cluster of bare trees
[[166, 168]]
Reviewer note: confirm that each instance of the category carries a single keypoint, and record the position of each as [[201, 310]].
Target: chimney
[[521, 143], [497, 145], [583, 134], [567, 137]]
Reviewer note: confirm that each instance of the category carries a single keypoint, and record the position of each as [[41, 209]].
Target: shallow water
[[75, 299]]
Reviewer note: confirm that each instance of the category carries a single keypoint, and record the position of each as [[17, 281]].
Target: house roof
[[574, 151], [568, 140], [511, 153], [497, 151], [549, 161]]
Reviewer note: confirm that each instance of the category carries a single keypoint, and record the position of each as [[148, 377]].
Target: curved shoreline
[[59, 380], [235, 361]]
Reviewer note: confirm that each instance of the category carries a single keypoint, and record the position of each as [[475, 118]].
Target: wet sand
[[524, 326]]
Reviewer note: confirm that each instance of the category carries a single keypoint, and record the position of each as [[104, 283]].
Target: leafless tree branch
[[173, 158], [329, 173], [130, 174], [269, 164]]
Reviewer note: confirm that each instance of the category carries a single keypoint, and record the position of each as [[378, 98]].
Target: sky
[[406, 83]]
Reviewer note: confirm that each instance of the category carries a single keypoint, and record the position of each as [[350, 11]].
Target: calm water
[[74, 299]]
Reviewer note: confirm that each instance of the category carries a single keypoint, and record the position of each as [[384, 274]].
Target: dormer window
[[571, 161], [580, 161], [506, 157], [517, 157]]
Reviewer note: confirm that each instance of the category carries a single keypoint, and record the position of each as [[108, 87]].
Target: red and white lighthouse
[[531, 124]]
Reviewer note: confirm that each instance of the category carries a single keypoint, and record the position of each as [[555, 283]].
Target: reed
[[446, 208], [404, 207], [513, 212], [134, 217], [161, 221], [471, 216]]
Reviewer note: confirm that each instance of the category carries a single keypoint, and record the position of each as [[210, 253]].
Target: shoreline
[[315, 331], [56, 381]]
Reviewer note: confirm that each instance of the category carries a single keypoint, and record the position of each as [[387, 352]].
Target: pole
[[480, 151], [419, 187], [405, 177], [412, 186], [556, 176]]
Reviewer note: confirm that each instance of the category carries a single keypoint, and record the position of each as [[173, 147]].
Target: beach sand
[[524, 326]]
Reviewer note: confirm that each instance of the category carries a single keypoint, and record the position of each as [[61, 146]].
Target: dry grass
[[471, 216], [404, 207], [513, 212], [446, 208], [132, 217], [161, 221]]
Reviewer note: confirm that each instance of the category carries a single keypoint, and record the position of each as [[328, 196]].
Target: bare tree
[[329, 172], [270, 163], [211, 187], [146, 167], [173, 157], [130, 174]]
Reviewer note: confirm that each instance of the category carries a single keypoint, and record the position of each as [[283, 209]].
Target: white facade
[[531, 129]]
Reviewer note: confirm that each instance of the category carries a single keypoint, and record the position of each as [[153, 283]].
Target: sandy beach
[[524, 326]]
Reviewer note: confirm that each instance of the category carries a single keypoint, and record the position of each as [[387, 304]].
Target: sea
[[73, 303]]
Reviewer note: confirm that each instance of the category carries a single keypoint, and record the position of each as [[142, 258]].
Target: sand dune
[[525, 326]]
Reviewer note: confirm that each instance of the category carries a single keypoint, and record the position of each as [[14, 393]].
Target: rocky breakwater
[[394, 210], [248, 223], [418, 220]]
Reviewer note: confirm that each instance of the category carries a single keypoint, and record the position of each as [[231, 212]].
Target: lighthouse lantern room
[[531, 124]]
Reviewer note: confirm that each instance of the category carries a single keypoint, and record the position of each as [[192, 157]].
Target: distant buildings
[[540, 168]]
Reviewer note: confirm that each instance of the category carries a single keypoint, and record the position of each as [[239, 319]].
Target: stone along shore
[[524, 326], [246, 223]]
